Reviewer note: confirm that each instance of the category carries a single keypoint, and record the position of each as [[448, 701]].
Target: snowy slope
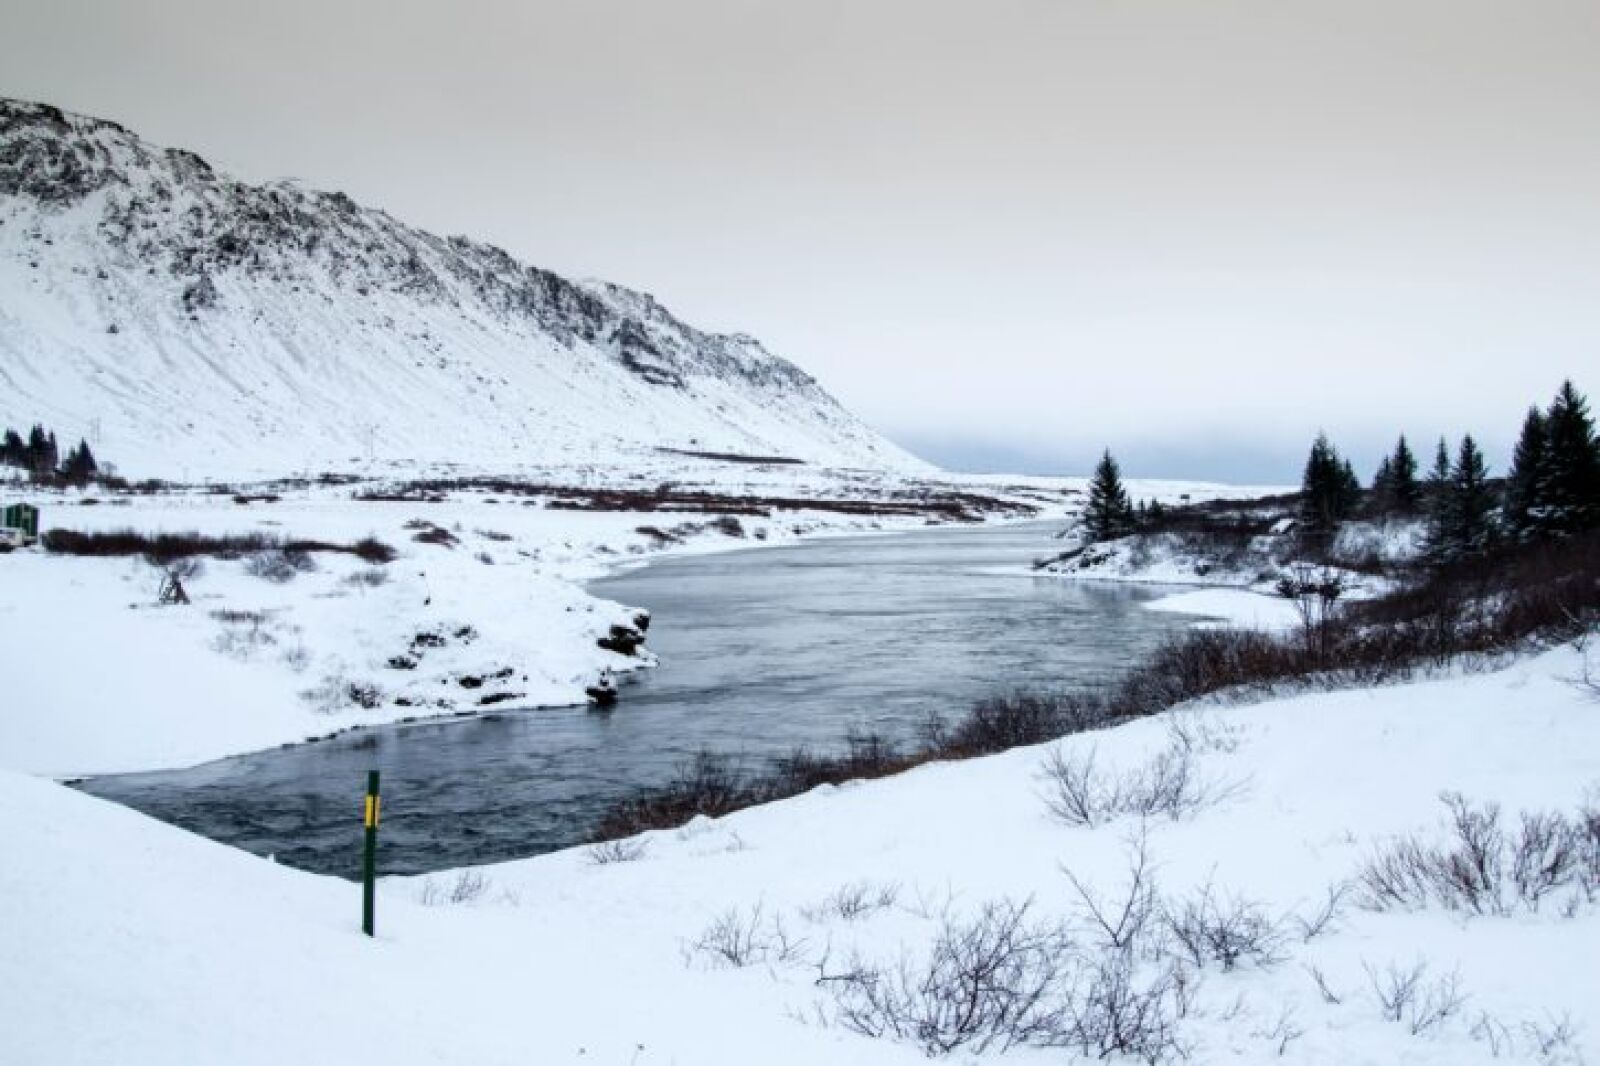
[[192, 322], [133, 942]]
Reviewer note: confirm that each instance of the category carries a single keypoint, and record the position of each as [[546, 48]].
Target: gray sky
[[1007, 232]]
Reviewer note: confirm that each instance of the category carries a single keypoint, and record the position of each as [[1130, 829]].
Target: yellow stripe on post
[[369, 857]]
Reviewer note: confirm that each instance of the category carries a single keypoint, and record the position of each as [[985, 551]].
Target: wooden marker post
[[369, 861]]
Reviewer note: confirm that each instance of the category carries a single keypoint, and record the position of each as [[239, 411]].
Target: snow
[[134, 942], [253, 663], [1243, 608], [193, 325]]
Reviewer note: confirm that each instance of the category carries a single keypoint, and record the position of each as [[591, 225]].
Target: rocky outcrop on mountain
[[175, 307]]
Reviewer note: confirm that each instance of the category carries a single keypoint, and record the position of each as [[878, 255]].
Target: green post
[[369, 862]]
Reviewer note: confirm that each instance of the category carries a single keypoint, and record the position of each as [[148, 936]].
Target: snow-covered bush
[[1209, 927], [627, 849], [468, 886], [853, 902], [739, 938], [1407, 996], [995, 980], [1481, 867], [1000, 979], [1079, 792], [279, 566]]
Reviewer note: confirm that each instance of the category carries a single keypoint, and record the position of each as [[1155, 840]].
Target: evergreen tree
[[1570, 496], [41, 452], [1405, 492], [1349, 488], [1437, 492], [1383, 484], [1109, 513], [1472, 504], [1525, 485], [1329, 488], [13, 452], [80, 465]]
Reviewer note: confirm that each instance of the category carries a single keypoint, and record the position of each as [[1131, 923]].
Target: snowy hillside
[[187, 321], [740, 940]]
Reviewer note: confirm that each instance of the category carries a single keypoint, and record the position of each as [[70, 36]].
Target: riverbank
[[706, 944], [483, 607]]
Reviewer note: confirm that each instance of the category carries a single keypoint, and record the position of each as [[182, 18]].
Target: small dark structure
[[603, 693], [19, 524]]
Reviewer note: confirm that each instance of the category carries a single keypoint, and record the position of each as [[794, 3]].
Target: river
[[761, 650]]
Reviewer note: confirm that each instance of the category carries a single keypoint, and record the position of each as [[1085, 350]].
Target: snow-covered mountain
[[192, 322]]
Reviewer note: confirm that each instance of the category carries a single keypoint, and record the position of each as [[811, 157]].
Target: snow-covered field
[[729, 941], [100, 678], [132, 942], [487, 608]]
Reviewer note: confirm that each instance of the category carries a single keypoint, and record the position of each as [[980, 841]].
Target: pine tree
[[41, 458], [1328, 490], [1405, 492], [80, 465], [1349, 489], [1570, 496], [1383, 484], [13, 452], [1437, 491], [1525, 488], [1472, 504], [1109, 514]]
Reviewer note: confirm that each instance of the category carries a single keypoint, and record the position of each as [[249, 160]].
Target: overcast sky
[[1007, 232]]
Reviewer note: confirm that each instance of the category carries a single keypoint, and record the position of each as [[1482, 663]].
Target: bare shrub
[[1493, 1032], [996, 980], [1283, 1032], [1121, 921], [627, 849], [336, 692], [369, 577], [853, 902], [468, 887], [1546, 855], [1120, 1008], [738, 939], [1076, 794], [1004, 722], [372, 550], [1169, 783], [279, 566], [1588, 830], [162, 549], [1407, 996], [1325, 919], [244, 635], [1553, 1040], [1480, 868], [1324, 989], [1208, 927], [1314, 592], [1196, 733]]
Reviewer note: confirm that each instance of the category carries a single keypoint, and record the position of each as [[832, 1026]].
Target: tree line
[[40, 455], [1551, 490]]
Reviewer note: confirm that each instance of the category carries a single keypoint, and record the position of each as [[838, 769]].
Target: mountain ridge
[[192, 317]]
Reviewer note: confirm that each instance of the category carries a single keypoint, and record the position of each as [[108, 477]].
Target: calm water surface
[[760, 651]]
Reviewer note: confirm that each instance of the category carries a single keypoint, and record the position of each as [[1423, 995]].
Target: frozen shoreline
[[497, 614], [134, 940]]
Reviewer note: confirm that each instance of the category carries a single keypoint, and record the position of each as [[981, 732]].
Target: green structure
[[24, 517]]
